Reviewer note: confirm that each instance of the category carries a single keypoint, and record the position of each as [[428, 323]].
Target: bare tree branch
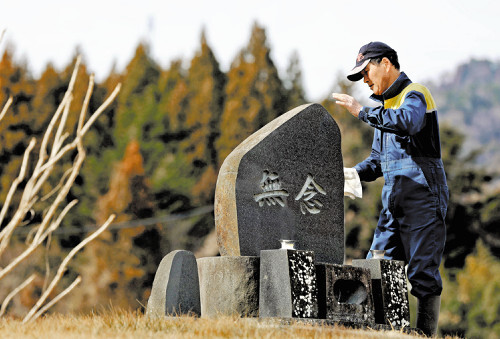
[[18, 216], [5, 108], [56, 139], [62, 267], [85, 105], [55, 300], [15, 291], [101, 109]]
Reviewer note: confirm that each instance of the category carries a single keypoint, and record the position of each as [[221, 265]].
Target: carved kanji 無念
[[307, 194], [273, 193]]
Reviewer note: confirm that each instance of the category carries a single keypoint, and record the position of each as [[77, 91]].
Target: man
[[406, 151]]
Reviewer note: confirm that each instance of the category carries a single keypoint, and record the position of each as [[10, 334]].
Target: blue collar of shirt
[[397, 86]]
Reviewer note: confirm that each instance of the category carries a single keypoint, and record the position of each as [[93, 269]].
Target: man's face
[[376, 77]]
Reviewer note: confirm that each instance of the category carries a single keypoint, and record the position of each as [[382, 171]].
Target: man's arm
[[370, 169], [408, 119]]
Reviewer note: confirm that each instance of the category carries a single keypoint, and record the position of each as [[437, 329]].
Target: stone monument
[[176, 287], [288, 284], [285, 181], [390, 292]]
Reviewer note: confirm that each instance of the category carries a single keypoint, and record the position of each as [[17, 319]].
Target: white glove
[[352, 184]]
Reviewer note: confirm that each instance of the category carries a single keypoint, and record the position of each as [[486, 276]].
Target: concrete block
[[229, 286], [345, 294]]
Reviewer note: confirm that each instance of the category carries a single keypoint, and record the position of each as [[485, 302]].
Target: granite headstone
[[285, 181], [175, 288], [287, 284], [390, 291]]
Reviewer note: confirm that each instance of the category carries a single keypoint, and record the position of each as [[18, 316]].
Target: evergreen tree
[[469, 215], [206, 98], [293, 83], [15, 127], [120, 265], [133, 111], [169, 169], [49, 92], [254, 94]]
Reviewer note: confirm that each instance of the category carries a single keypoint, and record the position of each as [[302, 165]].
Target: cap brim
[[355, 73]]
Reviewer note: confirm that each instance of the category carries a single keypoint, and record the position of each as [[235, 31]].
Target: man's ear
[[387, 64]]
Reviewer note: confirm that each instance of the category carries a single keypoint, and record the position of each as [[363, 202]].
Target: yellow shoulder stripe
[[398, 100]]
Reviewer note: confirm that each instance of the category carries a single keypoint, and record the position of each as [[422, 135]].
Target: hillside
[[469, 99]]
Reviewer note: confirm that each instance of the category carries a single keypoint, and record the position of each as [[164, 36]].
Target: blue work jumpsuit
[[406, 150]]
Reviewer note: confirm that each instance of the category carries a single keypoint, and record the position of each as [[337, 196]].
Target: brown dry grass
[[120, 324]]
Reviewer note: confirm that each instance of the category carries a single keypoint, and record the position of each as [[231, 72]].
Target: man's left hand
[[348, 102]]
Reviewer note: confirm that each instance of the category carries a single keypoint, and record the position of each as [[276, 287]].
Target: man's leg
[[425, 246], [428, 314], [423, 234], [386, 235]]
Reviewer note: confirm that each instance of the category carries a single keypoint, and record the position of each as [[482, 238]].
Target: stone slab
[[175, 288], [345, 294], [390, 291], [285, 181], [288, 284], [334, 323], [229, 286]]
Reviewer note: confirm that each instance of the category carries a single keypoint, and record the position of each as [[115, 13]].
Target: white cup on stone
[[287, 244], [377, 254]]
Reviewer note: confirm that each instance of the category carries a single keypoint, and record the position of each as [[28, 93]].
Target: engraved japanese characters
[[285, 181]]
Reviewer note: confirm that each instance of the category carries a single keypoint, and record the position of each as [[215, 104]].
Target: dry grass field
[[120, 324]]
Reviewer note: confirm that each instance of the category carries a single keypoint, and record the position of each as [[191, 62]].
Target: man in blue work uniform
[[406, 151]]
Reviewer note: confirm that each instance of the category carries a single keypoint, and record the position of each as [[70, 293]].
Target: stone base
[[390, 291], [288, 284], [229, 286], [345, 294]]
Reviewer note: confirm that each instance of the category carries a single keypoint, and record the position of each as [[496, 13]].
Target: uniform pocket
[[444, 196], [414, 201], [417, 174]]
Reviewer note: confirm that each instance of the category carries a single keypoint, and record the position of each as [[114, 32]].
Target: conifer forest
[[152, 159]]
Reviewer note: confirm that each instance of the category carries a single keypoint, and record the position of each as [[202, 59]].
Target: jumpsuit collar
[[394, 89]]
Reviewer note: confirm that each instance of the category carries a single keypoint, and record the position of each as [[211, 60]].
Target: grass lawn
[[121, 324]]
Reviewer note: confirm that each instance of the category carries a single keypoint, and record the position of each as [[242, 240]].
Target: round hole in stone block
[[349, 291]]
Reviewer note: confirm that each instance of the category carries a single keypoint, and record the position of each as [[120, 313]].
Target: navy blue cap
[[369, 51]]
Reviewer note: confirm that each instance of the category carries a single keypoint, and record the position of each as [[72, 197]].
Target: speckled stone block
[[229, 286], [288, 284], [390, 291], [175, 288], [285, 181], [345, 294]]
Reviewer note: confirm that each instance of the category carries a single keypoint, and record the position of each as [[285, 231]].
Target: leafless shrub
[[53, 149]]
